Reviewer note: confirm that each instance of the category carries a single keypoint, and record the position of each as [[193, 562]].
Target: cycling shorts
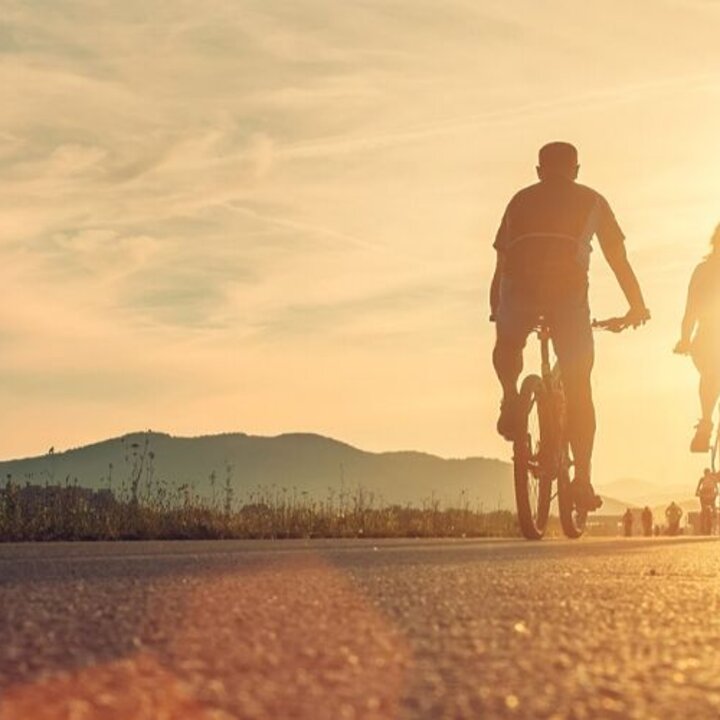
[[567, 315], [705, 352]]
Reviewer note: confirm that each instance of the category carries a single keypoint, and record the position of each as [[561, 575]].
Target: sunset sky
[[269, 216]]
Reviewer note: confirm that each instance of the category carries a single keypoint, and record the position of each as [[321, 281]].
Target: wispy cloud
[[241, 189]]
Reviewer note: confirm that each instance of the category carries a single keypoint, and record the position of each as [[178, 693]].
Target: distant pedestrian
[[673, 513], [627, 521], [647, 521]]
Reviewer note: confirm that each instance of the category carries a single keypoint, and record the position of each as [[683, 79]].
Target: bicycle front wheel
[[572, 520], [533, 479]]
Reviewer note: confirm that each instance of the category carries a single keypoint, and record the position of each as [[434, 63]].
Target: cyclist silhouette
[[700, 338], [707, 492], [673, 514], [543, 254]]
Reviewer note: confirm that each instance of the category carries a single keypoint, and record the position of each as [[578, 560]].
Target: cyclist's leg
[[513, 325], [573, 342], [709, 392], [706, 357], [508, 362], [515, 318]]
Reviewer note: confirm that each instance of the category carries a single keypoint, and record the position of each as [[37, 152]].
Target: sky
[[277, 215]]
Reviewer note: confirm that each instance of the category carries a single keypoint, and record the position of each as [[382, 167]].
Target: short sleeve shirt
[[559, 209]]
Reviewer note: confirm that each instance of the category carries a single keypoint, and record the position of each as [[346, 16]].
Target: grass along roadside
[[159, 511]]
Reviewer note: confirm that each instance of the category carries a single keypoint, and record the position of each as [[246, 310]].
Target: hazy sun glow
[[269, 216]]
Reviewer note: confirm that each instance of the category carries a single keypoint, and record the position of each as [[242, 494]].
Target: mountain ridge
[[307, 462]]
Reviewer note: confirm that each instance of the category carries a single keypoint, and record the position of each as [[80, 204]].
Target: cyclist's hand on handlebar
[[637, 316], [633, 318], [682, 347], [614, 324]]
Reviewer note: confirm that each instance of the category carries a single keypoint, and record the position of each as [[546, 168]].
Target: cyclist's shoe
[[701, 441], [507, 422], [584, 496]]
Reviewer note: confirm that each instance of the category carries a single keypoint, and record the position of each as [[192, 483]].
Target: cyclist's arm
[[617, 259], [691, 312], [501, 239], [495, 286], [612, 244]]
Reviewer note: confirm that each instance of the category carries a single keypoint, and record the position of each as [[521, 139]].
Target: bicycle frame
[[543, 332], [550, 374]]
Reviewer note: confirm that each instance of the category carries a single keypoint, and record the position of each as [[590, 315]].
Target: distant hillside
[[611, 506], [634, 492], [298, 462]]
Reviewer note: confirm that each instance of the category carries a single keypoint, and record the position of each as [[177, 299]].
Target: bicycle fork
[[552, 442]]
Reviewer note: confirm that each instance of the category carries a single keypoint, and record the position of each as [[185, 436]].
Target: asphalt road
[[361, 629]]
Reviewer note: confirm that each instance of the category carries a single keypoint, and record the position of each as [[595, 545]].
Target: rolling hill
[[638, 493], [302, 463]]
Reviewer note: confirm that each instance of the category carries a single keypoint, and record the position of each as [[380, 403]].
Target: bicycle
[[541, 451]]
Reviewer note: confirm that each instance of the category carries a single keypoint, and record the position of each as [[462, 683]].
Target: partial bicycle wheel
[[533, 479], [573, 521]]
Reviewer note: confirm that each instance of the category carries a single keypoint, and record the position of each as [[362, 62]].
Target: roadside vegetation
[[142, 507], [69, 512]]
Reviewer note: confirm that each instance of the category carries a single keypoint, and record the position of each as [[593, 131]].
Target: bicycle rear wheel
[[533, 479]]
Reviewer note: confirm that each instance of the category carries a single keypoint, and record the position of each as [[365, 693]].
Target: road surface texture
[[360, 629]]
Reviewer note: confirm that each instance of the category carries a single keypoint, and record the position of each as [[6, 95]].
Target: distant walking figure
[[627, 520], [647, 521], [673, 513], [543, 255], [700, 338]]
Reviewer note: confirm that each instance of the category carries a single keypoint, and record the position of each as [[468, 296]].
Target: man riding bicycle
[[700, 338], [543, 254], [673, 515]]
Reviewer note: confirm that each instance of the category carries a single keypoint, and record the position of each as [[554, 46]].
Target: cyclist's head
[[558, 159], [707, 471]]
